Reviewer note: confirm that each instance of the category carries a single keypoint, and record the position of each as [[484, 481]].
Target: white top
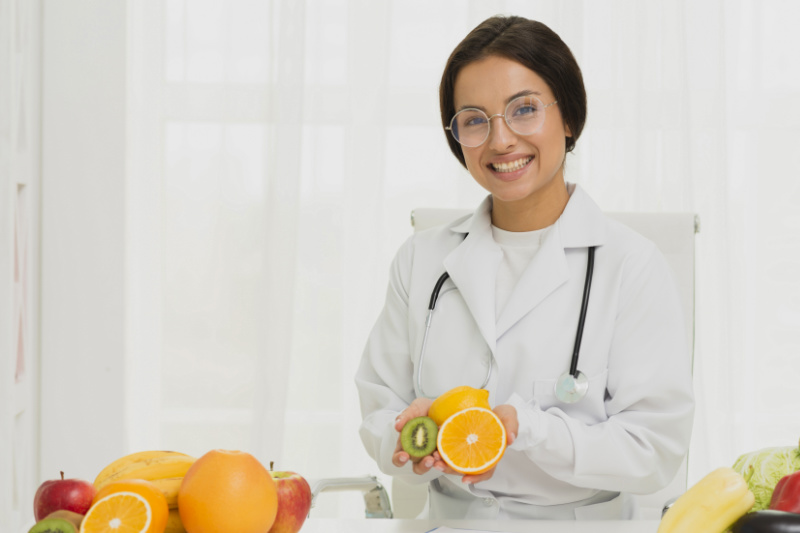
[[631, 431], [518, 248]]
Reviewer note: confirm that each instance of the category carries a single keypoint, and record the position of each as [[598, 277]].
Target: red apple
[[63, 494], [294, 501]]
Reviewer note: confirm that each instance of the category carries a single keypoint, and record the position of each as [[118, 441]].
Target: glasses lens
[[470, 127], [525, 115]]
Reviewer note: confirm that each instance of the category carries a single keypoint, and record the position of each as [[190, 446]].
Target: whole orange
[[226, 491]]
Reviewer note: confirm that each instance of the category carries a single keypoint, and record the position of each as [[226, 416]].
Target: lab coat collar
[[473, 264]]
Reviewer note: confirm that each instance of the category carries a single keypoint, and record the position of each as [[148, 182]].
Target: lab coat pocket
[[590, 409], [456, 353]]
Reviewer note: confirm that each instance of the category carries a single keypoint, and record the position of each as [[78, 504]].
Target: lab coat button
[[488, 502]]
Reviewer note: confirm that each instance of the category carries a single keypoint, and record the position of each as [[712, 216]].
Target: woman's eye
[[525, 110], [475, 121]]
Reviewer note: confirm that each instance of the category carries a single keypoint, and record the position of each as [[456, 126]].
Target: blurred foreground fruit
[[767, 522], [227, 491], [62, 494], [710, 506], [152, 465], [456, 400], [58, 522], [294, 501], [130, 506], [472, 441], [762, 469]]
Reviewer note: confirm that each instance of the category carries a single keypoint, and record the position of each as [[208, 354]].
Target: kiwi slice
[[53, 525], [418, 437]]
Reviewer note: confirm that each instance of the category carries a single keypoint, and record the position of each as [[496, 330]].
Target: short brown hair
[[533, 45]]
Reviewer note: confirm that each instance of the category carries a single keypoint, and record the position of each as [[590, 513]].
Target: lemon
[[456, 400]]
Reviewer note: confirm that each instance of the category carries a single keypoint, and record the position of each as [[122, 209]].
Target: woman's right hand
[[421, 465]]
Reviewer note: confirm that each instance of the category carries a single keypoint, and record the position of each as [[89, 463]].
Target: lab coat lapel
[[473, 267], [582, 224]]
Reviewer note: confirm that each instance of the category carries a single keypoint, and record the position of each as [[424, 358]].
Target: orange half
[[120, 512], [472, 441]]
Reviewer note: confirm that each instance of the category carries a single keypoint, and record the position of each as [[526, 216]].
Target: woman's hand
[[508, 416], [421, 465]]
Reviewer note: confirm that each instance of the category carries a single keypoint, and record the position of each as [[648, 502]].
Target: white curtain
[[289, 140]]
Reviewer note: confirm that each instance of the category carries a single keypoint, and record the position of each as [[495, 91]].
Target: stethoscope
[[571, 386]]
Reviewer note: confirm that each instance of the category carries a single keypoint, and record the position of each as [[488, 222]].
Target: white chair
[[674, 234]]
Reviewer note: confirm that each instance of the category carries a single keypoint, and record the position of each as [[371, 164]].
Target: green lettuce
[[762, 469]]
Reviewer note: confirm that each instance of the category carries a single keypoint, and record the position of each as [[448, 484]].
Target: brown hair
[[531, 44]]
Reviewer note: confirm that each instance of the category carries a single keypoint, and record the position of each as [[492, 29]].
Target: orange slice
[[472, 441], [130, 506], [455, 400]]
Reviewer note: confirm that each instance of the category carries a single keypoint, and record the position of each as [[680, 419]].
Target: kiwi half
[[418, 437], [53, 525]]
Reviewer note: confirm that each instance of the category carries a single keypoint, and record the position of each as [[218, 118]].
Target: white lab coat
[[627, 436]]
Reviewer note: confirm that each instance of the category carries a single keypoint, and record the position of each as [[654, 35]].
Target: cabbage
[[762, 469]]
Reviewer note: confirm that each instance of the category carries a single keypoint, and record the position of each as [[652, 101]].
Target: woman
[[513, 104]]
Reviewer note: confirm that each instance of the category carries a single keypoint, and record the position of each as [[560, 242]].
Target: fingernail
[[403, 459], [440, 468], [429, 463], [513, 438]]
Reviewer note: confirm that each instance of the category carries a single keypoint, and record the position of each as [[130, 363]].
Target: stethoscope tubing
[[573, 367], [587, 287]]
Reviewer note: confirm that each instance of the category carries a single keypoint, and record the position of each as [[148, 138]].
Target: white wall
[[83, 213]]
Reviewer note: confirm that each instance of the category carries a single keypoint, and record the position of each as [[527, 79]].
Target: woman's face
[[520, 171]]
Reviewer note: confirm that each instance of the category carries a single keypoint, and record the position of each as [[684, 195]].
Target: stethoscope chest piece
[[571, 389]]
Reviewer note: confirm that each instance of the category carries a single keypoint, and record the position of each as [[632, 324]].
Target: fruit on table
[[456, 400], [786, 496], [767, 522], [130, 505], [762, 469], [294, 501], [227, 491], [418, 436], [169, 488], [58, 522], [68, 494], [472, 441], [711, 505], [148, 465], [174, 524]]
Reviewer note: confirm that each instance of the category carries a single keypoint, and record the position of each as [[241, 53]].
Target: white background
[[223, 186]]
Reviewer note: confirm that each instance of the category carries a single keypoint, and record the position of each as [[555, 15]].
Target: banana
[[174, 524], [169, 487], [148, 465], [711, 505]]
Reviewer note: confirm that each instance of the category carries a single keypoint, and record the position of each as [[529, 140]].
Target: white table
[[380, 525]]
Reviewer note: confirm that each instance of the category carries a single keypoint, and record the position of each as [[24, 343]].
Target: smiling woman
[[516, 271]]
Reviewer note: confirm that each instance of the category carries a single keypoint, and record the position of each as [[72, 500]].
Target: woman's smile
[[511, 166]]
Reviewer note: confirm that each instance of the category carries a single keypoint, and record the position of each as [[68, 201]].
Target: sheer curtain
[[281, 145]]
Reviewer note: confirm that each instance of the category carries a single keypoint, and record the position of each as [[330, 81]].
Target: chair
[[674, 234]]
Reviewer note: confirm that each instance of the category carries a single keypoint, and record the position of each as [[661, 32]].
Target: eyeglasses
[[524, 116]]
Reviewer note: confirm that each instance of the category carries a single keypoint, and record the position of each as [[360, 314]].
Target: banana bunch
[[162, 468], [711, 505]]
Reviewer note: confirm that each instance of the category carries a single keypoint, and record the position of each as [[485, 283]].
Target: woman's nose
[[500, 135]]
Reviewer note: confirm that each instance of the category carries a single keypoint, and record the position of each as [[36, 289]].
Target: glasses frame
[[505, 118]]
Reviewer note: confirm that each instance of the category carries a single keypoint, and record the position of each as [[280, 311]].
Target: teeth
[[512, 165]]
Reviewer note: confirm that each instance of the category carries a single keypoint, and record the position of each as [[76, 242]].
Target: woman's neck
[[537, 211]]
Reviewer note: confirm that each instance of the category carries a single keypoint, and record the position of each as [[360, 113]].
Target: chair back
[[674, 234]]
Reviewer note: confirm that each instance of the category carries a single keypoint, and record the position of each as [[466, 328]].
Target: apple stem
[[62, 476], [271, 464]]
